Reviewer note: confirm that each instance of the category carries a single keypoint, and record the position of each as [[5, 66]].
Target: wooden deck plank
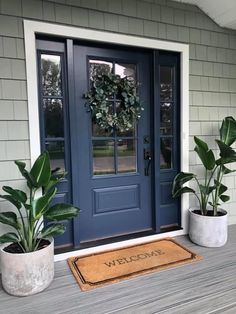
[[208, 286]]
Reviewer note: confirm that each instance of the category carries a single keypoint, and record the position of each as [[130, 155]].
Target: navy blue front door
[[110, 177], [110, 184]]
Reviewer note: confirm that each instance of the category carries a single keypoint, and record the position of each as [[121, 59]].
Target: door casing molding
[[32, 28]]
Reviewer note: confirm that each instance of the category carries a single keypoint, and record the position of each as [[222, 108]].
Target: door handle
[[148, 158]]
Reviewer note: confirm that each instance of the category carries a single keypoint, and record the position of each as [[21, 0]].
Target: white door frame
[[31, 28]]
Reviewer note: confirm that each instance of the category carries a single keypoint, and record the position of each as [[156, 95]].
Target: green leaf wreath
[[108, 89]]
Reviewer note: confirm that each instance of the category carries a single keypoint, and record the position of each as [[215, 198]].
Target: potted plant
[[27, 264], [208, 223]]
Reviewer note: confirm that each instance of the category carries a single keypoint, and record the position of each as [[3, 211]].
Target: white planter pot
[[27, 273], [209, 231]]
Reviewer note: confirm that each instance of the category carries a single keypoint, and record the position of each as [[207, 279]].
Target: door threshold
[[116, 245], [99, 242]]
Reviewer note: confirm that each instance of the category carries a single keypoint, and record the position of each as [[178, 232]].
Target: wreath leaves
[[107, 88]]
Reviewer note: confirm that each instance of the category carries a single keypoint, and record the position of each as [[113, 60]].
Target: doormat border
[[86, 285]]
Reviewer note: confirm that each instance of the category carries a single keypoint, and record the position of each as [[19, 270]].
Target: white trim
[[31, 28]]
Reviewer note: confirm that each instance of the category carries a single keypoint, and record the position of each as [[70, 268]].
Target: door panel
[[113, 191]]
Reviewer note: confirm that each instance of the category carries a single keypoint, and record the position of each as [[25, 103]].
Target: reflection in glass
[[56, 151], [126, 156], [103, 157], [98, 131], [125, 69], [99, 67], [166, 118], [166, 153], [166, 83], [51, 75], [53, 118]]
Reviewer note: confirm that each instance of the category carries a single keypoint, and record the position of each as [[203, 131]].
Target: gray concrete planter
[[28, 273], [208, 231]]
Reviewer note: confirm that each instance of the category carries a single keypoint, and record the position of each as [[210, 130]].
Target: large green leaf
[[61, 212], [183, 177], [9, 237], [227, 170], [228, 131], [10, 219], [12, 200], [179, 180], [225, 198], [30, 180], [222, 189], [205, 154], [17, 194], [55, 178], [41, 171], [227, 153], [41, 204], [182, 190], [52, 230]]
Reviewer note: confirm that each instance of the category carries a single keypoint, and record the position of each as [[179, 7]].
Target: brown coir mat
[[98, 269]]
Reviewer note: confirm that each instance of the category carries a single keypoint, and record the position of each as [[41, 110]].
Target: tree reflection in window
[[51, 75]]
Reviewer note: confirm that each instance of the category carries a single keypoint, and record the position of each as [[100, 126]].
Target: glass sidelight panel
[[167, 114], [166, 153], [103, 157], [56, 151], [51, 75], [166, 118], [126, 155], [53, 117], [166, 83], [52, 109]]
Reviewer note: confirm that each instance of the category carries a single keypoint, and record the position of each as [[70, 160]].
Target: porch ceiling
[[222, 12]]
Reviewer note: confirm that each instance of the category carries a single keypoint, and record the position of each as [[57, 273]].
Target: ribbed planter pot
[[27, 273], [209, 231]]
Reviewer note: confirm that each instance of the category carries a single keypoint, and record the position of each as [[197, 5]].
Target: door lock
[[146, 154]]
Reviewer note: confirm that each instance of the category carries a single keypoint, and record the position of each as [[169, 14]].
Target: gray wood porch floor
[[208, 286]]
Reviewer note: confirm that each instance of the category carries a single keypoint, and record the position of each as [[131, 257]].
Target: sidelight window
[[52, 98]]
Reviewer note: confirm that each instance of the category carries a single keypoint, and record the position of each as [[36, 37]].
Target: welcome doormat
[[98, 269]]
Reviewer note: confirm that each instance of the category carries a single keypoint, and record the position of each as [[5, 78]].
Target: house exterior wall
[[212, 66]]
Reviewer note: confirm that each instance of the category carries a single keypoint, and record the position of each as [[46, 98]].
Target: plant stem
[[216, 196], [200, 201], [37, 230]]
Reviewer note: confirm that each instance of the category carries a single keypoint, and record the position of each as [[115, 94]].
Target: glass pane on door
[[126, 151], [53, 117], [51, 75], [99, 67], [126, 70], [103, 157], [114, 150], [56, 151], [166, 153]]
